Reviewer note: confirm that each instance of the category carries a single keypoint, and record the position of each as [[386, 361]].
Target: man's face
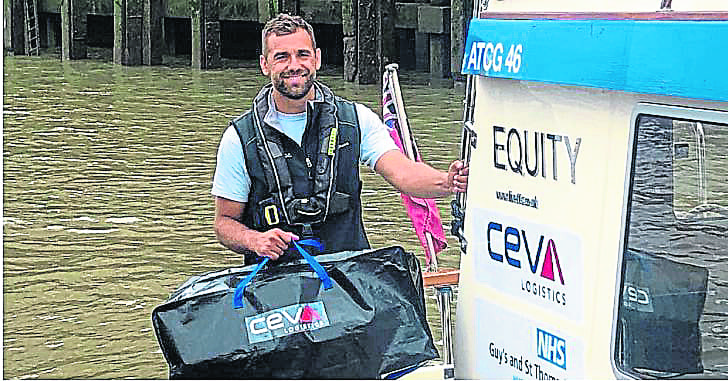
[[291, 63]]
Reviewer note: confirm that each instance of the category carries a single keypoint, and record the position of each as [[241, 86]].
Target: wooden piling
[[206, 35], [349, 27], [198, 38], [138, 32], [460, 13], [386, 20], [212, 45], [435, 21], [368, 61], [128, 21], [119, 31], [153, 43], [7, 39], [133, 36], [16, 23], [7, 26], [73, 29], [212, 34]]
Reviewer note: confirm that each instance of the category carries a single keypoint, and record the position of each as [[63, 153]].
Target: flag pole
[[401, 115], [409, 146]]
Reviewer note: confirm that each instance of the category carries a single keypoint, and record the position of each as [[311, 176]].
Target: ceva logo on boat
[[551, 348], [517, 249], [286, 321]]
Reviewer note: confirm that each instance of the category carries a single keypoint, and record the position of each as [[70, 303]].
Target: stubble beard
[[291, 92]]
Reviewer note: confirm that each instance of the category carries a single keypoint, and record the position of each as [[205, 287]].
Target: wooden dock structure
[[362, 36]]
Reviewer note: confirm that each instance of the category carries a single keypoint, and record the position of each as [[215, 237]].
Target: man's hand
[[272, 243], [457, 177], [237, 237]]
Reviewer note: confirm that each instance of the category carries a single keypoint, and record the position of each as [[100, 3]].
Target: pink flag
[[422, 211]]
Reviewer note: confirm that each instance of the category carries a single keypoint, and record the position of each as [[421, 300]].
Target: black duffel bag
[[369, 323]]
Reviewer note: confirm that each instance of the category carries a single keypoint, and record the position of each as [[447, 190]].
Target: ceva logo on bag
[[286, 321]]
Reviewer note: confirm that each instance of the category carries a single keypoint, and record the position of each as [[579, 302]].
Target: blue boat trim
[[675, 58]]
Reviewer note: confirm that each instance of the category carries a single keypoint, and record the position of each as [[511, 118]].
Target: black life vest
[[313, 189]]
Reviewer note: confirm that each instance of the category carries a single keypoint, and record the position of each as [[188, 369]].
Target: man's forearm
[[418, 179], [237, 237], [233, 234], [421, 180]]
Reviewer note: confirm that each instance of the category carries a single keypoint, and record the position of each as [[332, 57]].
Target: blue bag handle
[[320, 271], [238, 295]]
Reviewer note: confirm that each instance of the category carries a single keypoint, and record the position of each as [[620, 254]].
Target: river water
[[107, 207]]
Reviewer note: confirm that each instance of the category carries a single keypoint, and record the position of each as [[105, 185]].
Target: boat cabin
[[596, 219]]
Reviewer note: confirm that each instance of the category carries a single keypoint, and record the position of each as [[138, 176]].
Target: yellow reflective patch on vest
[[271, 215], [332, 141]]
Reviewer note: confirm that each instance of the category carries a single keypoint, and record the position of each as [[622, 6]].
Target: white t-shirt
[[231, 180]]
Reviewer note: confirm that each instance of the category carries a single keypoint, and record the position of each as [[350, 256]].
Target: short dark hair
[[285, 24]]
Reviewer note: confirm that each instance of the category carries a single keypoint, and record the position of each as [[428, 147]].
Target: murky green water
[[106, 204]]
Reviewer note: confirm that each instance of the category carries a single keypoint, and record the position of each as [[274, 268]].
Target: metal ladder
[[32, 42]]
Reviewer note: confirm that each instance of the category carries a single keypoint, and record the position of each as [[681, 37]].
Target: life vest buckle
[[307, 231]]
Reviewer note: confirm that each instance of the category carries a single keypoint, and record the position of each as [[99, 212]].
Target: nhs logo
[[551, 348]]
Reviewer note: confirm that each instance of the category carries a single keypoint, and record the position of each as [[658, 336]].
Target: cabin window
[[673, 311]]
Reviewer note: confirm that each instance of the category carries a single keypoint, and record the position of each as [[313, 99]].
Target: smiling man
[[289, 167]]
